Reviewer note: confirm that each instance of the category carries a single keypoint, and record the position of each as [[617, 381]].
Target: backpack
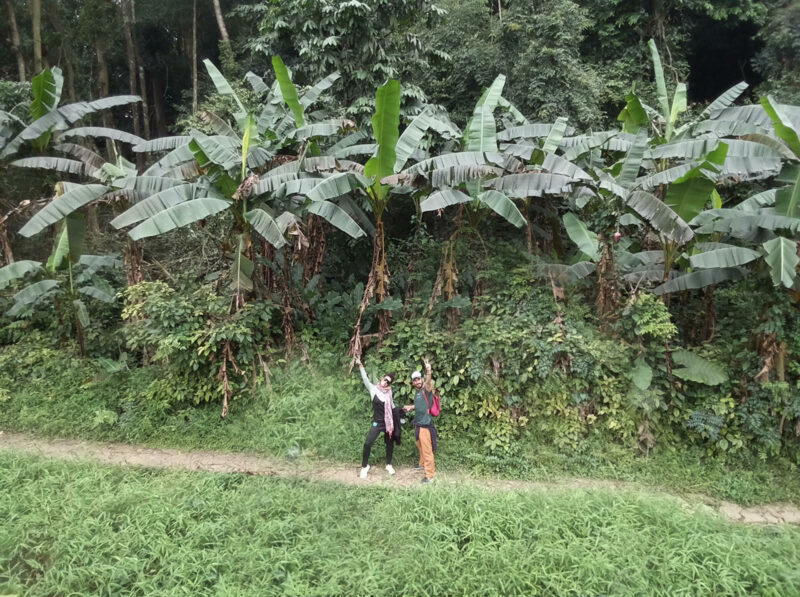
[[435, 408]]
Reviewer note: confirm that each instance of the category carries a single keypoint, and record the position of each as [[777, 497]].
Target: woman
[[382, 421]]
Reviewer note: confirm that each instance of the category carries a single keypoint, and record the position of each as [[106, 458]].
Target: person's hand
[[427, 365], [358, 362]]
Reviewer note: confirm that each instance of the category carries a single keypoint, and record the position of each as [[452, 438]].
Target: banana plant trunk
[[5, 245], [608, 295], [377, 287], [132, 259]]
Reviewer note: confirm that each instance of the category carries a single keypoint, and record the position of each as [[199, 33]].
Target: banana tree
[[235, 171], [82, 279], [384, 178]]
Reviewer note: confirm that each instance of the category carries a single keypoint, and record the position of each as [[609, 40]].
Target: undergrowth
[[319, 412], [89, 529]]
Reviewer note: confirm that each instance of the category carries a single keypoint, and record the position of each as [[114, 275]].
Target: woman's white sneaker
[[390, 469], [364, 472]]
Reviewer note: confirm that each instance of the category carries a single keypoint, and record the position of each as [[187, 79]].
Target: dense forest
[[584, 213]]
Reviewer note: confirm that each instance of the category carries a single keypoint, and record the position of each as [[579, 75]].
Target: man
[[423, 422]]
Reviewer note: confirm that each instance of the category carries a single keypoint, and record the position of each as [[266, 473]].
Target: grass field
[[80, 529], [325, 416]]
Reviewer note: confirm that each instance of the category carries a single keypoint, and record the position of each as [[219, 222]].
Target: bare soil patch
[[318, 470]]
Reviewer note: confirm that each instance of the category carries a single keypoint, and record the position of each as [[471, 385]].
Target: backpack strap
[[425, 397]]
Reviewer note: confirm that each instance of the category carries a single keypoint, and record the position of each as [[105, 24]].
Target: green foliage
[[650, 318], [196, 337]]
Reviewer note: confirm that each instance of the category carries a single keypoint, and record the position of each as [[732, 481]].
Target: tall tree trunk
[[194, 56], [105, 91], [58, 27], [36, 16], [15, 43], [130, 50], [145, 105], [223, 31], [5, 245], [158, 106]]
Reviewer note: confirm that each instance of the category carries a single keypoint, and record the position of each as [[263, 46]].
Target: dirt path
[[224, 462]]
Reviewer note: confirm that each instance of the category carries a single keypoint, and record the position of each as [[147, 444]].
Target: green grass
[[81, 529], [326, 416]]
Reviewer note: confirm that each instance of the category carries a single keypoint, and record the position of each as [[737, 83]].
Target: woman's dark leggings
[[373, 434]]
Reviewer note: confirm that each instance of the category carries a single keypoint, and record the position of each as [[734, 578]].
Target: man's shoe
[[364, 472], [390, 469], [419, 467], [425, 481]]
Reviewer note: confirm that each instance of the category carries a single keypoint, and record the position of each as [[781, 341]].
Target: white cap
[[416, 375]]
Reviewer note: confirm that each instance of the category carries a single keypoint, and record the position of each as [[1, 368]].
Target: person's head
[[416, 379], [386, 380]]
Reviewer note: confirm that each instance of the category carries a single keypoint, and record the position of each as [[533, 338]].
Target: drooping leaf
[[162, 144], [154, 204], [74, 112], [102, 132], [696, 368], [689, 194], [100, 291], [564, 275], [69, 245], [554, 137], [256, 82], [222, 85], [147, 185], [456, 175], [92, 160], [518, 116], [457, 159], [311, 94], [61, 207], [81, 312], [726, 99], [582, 236], [723, 257], [442, 199], [358, 149], [336, 216], [16, 270], [782, 260], [216, 150], [46, 88], [409, 141], [663, 219], [783, 127], [288, 90], [51, 163], [633, 161], [265, 225], [699, 279], [534, 184], [633, 116], [177, 216], [31, 294], [242, 270], [337, 185], [503, 206]]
